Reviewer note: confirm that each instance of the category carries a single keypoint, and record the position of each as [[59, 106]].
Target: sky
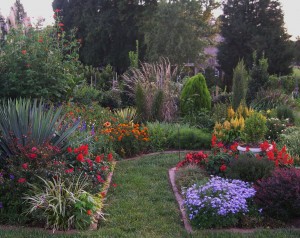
[[37, 8]]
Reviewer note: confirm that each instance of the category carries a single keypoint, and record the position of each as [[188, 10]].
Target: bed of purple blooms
[[242, 190]]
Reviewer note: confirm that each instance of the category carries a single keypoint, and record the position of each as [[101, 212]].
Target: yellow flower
[[226, 125], [230, 112]]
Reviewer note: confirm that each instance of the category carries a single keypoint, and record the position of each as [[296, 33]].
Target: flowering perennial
[[218, 198]]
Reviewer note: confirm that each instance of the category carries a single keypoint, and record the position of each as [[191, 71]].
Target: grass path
[[143, 205]]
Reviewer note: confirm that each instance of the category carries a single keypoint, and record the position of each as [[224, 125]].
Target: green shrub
[[278, 195], [219, 112], [250, 169], [255, 128], [285, 83], [217, 164], [163, 136], [291, 138], [201, 119], [159, 135], [285, 112], [195, 95], [189, 138], [275, 128], [110, 99], [39, 64], [239, 86], [85, 94]]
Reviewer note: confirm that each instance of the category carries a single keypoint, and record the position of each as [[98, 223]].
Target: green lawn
[[143, 205]]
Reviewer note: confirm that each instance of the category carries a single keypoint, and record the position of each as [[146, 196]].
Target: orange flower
[[107, 124], [89, 212]]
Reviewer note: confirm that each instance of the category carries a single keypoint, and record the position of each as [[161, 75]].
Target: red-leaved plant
[[279, 194]]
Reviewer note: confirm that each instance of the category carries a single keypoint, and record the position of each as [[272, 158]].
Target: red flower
[[264, 146], [110, 157], [234, 146], [40, 40], [220, 145], [33, 149], [213, 140], [270, 155], [57, 10], [21, 180], [69, 149], [223, 168], [32, 156], [102, 194], [69, 171], [80, 158], [247, 149], [100, 179], [24, 52], [98, 159], [60, 24], [25, 166], [89, 212], [114, 185]]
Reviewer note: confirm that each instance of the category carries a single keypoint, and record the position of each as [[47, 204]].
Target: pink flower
[[33, 149], [32, 155], [25, 166], [21, 180], [110, 157]]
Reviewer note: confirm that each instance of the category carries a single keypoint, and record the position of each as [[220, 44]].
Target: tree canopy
[[108, 29], [254, 25]]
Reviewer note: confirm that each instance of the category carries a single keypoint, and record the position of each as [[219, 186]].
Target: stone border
[[97, 216], [180, 201]]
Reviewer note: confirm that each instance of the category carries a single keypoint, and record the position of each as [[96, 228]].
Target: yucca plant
[[25, 122], [128, 114], [63, 204]]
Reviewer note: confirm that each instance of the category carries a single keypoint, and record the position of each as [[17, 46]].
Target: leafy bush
[[285, 83], [218, 203], [63, 204], [217, 164], [128, 114], [278, 195], [291, 138], [39, 64], [219, 112], [285, 112], [189, 138], [195, 95], [255, 128], [201, 119], [85, 94], [159, 135], [250, 169], [275, 128]]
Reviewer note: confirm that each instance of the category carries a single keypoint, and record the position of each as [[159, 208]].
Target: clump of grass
[[188, 175]]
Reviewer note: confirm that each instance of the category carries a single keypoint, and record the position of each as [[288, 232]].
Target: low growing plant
[[278, 195], [63, 204], [219, 203], [247, 167]]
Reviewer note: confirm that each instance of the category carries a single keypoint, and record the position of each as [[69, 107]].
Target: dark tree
[[254, 25], [108, 29]]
